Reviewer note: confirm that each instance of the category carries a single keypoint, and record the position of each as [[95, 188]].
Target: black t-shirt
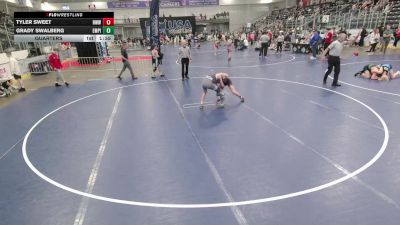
[[124, 53], [364, 33], [381, 29]]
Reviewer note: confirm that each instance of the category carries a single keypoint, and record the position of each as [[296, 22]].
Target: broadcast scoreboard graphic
[[63, 26]]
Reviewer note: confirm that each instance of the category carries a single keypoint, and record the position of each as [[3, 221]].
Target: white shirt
[[335, 49], [374, 38], [246, 43], [14, 66], [280, 38]]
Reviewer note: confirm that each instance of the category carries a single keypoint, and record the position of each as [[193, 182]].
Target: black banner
[[154, 23], [55, 14], [170, 25]]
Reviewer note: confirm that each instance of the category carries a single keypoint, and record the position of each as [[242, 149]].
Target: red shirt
[[328, 38], [270, 35], [251, 37], [54, 61]]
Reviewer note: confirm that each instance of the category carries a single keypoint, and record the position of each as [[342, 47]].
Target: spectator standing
[[316, 38], [155, 60], [264, 39], [373, 40], [55, 63], [270, 36], [292, 39], [381, 29], [16, 71], [125, 61], [229, 47], [280, 39], [397, 36], [362, 35], [328, 39], [387, 36]]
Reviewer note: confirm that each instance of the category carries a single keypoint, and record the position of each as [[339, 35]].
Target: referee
[[335, 50], [185, 58]]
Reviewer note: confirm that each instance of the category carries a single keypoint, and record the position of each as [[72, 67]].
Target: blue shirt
[[315, 39]]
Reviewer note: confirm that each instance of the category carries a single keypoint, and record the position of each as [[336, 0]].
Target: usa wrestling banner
[[170, 25]]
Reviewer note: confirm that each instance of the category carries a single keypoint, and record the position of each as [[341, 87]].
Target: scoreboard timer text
[[63, 26]]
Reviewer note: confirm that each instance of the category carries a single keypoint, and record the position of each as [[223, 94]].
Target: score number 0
[[108, 26], [108, 21]]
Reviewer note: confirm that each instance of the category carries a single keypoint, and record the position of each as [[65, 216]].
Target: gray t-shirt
[[280, 38], [184, 52], [335, 49], [264, 38]]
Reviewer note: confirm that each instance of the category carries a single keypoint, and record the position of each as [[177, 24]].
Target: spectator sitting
[[16, 71]]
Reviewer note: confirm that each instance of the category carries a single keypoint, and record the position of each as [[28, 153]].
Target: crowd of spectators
[[221, 15], [279, 19], [370, 5], [200, 16]]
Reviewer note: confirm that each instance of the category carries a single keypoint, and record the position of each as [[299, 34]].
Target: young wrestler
[[217, 82], [387, 72], [367, 71], [378, 72]]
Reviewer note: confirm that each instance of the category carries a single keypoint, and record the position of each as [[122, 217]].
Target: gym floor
[[141, 152]]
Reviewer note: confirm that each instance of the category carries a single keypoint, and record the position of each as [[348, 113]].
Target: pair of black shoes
[[59, 85], [333, 85], [186, 77], [154, 77], [133, 78]]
